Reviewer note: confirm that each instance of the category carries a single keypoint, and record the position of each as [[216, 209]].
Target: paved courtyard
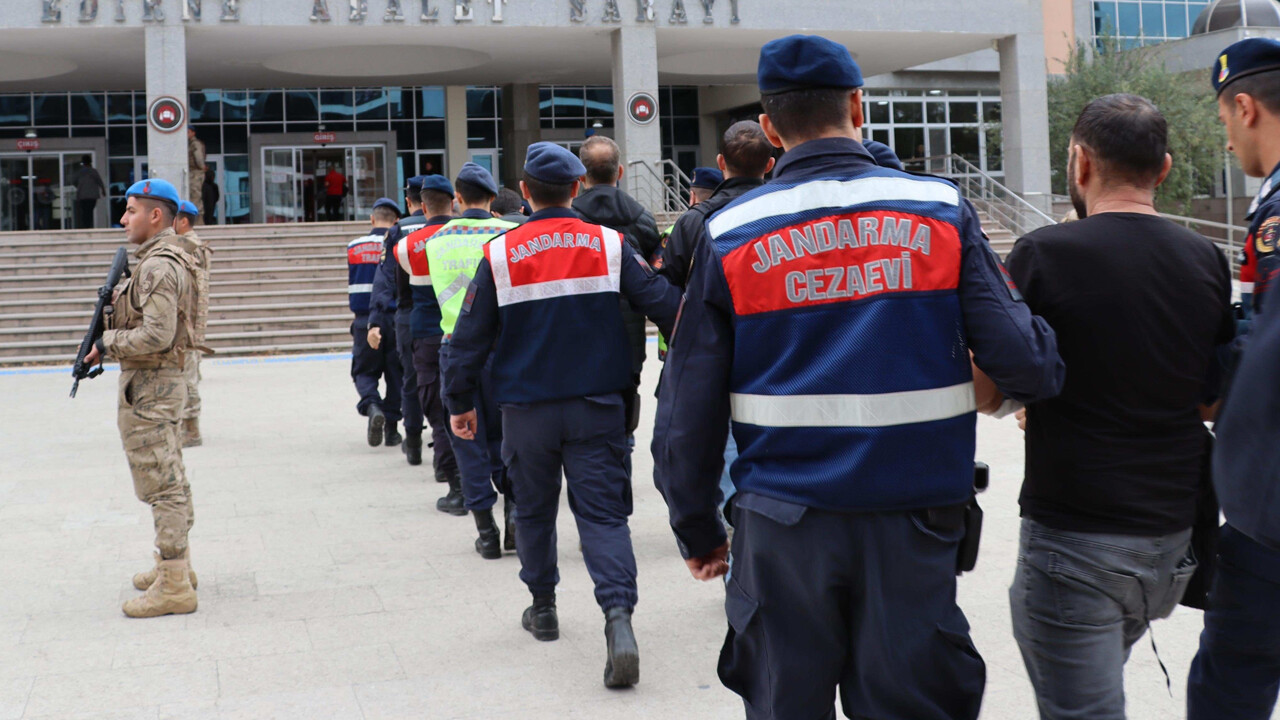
[[331, 588]]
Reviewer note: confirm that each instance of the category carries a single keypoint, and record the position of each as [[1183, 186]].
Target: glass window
[[211, 137], [235, 105], [267, 106], [600, 102], [908, 142], [964, 112], [546, 108], [482, 103], [684, 101], [991, 112], [205, 106], [140, 140], [335, 104], [880, 111], [119, 140], [482, 134], [404, 134], [1175, 20], [568, 103], [1153, 20], [937, 141], [88, 131], [50, 109], [431, 103], [1129, 23], [399, 106], [302, 105], [431, 134], [1105, 18], [235, 139], [936, 112], [964, 142], [908, 112], [15, 110], [88, 108], [685, 131], [371, 104]]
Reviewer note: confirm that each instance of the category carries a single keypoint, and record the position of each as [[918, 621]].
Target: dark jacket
[[607, 205], [89, 184], [691, 229]]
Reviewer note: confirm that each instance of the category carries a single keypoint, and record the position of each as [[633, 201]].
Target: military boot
[[191, 433], [413, 449], [453, 503], [377, 422], [622, 669], [393, 436], [170, 594], [509, 516], [540, 618], [489, 544], [143, 580]]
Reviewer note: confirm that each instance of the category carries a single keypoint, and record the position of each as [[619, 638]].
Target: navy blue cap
[[186, 207], [1245, 58], [474, 174], [439, 183], [883, 154], [155, 189], [705, 177], [797, 62], [387, 203], [553, 164], [414, 184]]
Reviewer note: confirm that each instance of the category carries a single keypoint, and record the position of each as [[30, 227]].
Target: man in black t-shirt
[[1114, 463]]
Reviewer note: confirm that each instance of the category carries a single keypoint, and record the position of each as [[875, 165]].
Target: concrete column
[[635, 69], [455, 124], [521, 127], [1025, 117], [166, 58]]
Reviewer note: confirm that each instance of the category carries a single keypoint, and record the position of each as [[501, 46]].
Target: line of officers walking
[[833, 331]]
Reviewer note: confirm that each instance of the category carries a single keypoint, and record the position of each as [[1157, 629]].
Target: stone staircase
[[274, 288]]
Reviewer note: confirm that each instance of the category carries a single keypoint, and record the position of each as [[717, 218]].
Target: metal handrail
[[1003, 205], [649, 184]]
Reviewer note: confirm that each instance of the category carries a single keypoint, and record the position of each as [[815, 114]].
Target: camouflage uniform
[[150, 330], [199, 250], [195, 177]]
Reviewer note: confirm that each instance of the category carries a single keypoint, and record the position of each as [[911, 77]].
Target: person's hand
[[93, 357], [710, 566], [375, 337], [1022, 419], [464, 425]]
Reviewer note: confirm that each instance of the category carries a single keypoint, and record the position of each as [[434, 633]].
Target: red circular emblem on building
[[642, 108], [167, 114]]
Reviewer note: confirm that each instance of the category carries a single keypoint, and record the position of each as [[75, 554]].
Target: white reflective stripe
[[459, 284], [832, 194], [498, 263], [613, 253], [1246, 287], [880, 410], [365, 239], [420, 280], [555, 288], [353, 289], [402, 254]]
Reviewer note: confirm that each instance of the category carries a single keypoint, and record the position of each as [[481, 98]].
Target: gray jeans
[[1079, 603]]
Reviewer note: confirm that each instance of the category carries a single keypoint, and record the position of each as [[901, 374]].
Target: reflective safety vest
[[410, 253], [453, 253], [851, 386]]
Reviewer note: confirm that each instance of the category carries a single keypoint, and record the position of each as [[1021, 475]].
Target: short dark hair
[[168, 210], [548, 194], [86, 159], [385, 214], [1127, 134], [801, 114], [507, 202], [471, 193], [746, 149], [601, 156], [1262, 87], [436, 202]]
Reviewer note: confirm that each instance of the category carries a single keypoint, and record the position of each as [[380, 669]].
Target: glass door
[[367, 170], [282, 191], [46, 191], [15, 195]]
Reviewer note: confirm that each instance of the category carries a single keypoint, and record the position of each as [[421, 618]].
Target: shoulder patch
[[1265, 241]]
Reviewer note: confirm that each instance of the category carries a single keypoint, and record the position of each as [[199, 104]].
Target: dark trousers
[[333, 207], [410, 404], [84, 213], [480, 460], [864, 602], [426, 366], [586, 438], [1236, 674], [368, 366]]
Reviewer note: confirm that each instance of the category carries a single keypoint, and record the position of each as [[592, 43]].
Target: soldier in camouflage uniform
[[149, 331], [198, 249], [195, 173]]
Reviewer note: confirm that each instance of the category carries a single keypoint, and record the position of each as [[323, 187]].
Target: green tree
[[1196, 138]]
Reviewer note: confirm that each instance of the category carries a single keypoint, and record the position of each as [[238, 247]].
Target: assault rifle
[[80, 371]]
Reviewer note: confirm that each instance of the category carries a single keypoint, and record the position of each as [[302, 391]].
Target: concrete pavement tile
[[109, 690], [104, 621], [211, 643], [330, 703], [14, 692], [286, 673], [56, 657], [142, 713], [290, 606]]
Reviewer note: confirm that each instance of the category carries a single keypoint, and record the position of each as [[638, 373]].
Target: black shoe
[[453, 502], [540, 618], [413, 449], [509, 516], [377, 422], [488, 544], [441, 476], [622, 669], [393, 436]]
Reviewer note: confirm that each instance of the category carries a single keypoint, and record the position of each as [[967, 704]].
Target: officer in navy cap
[[371, 361], [703, 185], [830, 314], [1237, 671], [545, 301]]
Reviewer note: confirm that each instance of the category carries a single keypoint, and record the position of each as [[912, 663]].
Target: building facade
[[283, 92]]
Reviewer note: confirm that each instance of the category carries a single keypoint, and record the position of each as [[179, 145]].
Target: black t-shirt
[[1139, 305]]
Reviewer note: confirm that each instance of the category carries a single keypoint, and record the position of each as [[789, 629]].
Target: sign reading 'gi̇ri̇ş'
[[166, 114], [579, 11]]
